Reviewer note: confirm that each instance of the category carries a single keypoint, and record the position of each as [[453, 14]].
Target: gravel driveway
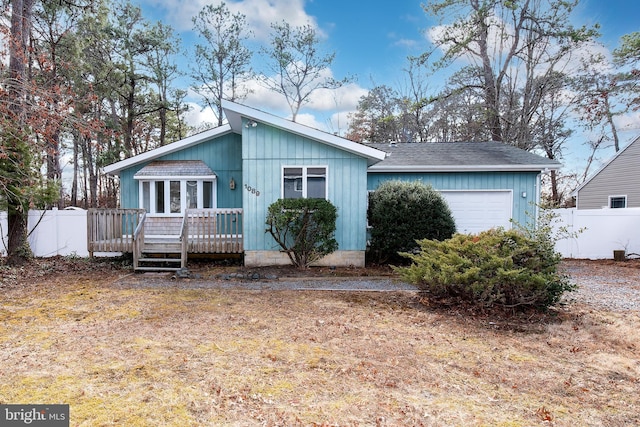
[[603, 285], [613, 286]]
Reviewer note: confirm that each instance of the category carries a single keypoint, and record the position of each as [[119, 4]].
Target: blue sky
[[371, 40]]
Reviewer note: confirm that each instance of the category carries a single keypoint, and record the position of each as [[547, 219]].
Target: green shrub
[[506, 268], [400, 213], [303, 228]]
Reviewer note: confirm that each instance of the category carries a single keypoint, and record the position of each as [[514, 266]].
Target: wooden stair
[[161, 254]]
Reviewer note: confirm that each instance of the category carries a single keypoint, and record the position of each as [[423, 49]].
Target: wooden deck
[[161, 243]]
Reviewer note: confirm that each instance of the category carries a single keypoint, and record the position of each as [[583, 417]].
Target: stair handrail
[[184, 239], [138, 239]]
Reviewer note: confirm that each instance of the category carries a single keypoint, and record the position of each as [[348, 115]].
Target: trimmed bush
[[303, 228], [400, 213], [496, 268]]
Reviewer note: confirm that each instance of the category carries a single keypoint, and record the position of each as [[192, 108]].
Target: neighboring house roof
[[175, 168], [114, 168], [603, 167], [459, 157], [235, 112]]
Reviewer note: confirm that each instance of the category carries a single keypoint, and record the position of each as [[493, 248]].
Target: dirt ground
[[72, 331]]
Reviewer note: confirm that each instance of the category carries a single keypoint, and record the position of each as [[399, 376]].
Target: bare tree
[[222, 61], [628, 55], [299, 67], [511, 43], [416, 100], [377, 117]]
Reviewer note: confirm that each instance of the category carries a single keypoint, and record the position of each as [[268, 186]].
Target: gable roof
[[235, 112], [114, 168], [604, 166], [459, 157]]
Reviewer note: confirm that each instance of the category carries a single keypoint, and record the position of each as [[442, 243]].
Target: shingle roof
[[440, 156], [175, 168]]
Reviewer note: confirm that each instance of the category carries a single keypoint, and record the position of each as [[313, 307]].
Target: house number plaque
[[252, 190]]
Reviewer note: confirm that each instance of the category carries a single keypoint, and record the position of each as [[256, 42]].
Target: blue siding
[[222, 155], [266, 150], [518, 182]]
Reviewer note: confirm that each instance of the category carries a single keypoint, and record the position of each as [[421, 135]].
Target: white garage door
[[476, 211]]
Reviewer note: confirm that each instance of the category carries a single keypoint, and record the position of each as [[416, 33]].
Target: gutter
[[462, 168]]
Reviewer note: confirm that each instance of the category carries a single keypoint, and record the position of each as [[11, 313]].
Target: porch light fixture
[[251, 124], [232, 184]]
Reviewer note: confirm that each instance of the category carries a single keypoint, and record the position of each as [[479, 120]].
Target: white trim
[[183, 194], [176, 177], [114, 168], [462, 168], [624, 196], [603, 167], [304, 178], [235, 112]]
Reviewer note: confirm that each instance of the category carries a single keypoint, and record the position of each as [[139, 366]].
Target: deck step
[[162, 249], [159, 260], [157, 269]]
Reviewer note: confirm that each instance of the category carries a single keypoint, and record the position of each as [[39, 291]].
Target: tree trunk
[[18, 250], [76, 172]]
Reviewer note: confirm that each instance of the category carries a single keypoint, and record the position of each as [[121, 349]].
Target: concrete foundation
[[335, 259]]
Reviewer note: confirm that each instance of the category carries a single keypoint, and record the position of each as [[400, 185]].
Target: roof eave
[[603, 167], [235, 112], [463, 168], [115, 168]]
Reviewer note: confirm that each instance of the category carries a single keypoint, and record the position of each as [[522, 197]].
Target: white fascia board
[[463, 168], [114, 168], [235, 112], [176, 178], [603, 167]]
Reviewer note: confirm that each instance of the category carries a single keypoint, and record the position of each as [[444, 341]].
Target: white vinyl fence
[[605, 230], [64, 232], [57, 232]]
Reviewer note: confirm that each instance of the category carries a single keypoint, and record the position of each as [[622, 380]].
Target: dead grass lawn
[[168, 356]]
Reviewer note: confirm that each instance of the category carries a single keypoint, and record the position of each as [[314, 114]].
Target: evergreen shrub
[[496, 268], [400, 213], [303, 228]]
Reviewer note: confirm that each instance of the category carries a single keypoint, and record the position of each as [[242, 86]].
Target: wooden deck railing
[[216, 231], [184, 239], [111, 230], [138, 240]]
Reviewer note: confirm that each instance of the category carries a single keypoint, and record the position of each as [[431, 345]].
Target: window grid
[[304, 182], [173, 197], [617, 202]]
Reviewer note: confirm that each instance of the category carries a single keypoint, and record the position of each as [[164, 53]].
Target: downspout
[[537, 203]]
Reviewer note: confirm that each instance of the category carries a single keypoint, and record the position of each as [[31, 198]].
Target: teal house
[[209, 193]]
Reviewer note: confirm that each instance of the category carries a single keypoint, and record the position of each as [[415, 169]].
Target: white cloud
[[628, 122], [198, 116], [310, 120], [334, 103], [259, 13]]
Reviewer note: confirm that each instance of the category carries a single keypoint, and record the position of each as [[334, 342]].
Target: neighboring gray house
[[614, 185]]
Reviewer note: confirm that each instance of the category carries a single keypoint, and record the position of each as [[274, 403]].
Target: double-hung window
[[304, 182], [617, 202]]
